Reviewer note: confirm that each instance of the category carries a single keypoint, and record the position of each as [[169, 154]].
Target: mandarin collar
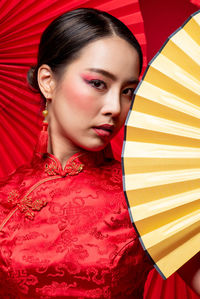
[[75, 164]]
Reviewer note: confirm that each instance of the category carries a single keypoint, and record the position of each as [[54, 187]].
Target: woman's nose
[[112, 105]]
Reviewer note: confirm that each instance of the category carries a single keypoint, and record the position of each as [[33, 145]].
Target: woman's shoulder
[[111, 171], [15, 178], [113, 165], [115, 169]]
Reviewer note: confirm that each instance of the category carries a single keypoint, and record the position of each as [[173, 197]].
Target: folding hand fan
[[161, 153], [21, 24]]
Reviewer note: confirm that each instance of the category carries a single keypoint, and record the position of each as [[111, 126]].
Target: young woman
[[65, 231]]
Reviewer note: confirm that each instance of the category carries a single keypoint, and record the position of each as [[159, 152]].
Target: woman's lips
[[104, 130]]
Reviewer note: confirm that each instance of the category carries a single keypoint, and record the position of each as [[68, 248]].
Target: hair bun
[[32, 78]]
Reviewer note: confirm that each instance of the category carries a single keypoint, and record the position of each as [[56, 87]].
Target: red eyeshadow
[[89, 77]]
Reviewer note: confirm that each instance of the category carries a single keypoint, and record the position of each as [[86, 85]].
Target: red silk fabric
[[67, 233]]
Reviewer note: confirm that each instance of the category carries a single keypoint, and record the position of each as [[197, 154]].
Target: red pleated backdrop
[[21, 24], [196, 2]]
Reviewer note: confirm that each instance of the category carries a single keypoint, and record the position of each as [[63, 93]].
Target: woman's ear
[[46, 81]]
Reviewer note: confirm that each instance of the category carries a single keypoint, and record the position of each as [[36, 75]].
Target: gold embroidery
[[13, 196], [27, 206], [50, 169], [72, 169]]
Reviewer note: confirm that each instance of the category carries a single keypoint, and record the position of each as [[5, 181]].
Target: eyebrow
[[111, 76]]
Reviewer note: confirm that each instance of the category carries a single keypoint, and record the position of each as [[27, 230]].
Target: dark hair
[[63, 39]]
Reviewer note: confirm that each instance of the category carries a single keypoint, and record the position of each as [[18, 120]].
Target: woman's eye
[[129, 92], [97, 84]]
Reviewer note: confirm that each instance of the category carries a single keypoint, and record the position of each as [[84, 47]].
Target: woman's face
[[91, 99]]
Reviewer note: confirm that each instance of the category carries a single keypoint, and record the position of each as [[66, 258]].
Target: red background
[[162, 18]]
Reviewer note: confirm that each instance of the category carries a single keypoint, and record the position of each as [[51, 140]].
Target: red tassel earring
[[41, 146]]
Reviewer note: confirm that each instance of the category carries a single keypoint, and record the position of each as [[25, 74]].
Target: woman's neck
[[62, 149]]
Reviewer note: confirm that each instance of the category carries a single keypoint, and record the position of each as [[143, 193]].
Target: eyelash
[[132, 91], [94, 81]]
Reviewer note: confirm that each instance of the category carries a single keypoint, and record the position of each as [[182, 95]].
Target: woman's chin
[[95, 147]]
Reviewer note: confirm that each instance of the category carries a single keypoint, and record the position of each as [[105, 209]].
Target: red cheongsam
[[67, 233]]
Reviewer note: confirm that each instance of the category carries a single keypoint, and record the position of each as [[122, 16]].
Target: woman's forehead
[[112, 54]]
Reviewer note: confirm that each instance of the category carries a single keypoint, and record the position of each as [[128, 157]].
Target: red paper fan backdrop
[[172, 288], [21, 24], [195, 2]]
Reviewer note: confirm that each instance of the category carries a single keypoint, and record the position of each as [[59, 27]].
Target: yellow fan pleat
[[144, 180], [188, 45], [192, 27], [149, 93], [144, 135], [151, 150], [156, 207], [177, 74], [181, 240], [154, 123], [142, 196]]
